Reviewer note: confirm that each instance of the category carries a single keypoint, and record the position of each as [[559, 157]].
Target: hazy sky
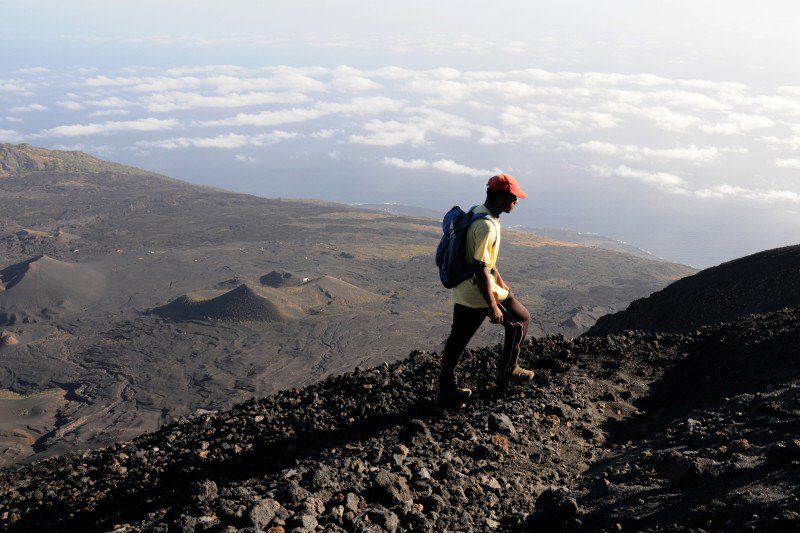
[[674, 126]]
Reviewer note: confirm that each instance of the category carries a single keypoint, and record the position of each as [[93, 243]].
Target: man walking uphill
[[484, 294]]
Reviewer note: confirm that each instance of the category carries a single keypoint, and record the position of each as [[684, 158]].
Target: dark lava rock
[[293, 493], [184, 524], [415, 520], [263, 512], [555, 511], [384, 518], [501, 423], [779, 453], [416, 432], [320, 477], [448, 471], [313, 506], [303, 522], [203, 491], [390, 489], [688, 470]]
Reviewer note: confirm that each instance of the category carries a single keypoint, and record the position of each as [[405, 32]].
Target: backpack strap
[[475, 217]]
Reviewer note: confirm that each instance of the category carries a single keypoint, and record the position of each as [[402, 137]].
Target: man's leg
[[516, 320], [466, 322]]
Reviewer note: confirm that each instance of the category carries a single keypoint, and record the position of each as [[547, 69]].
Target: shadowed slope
[[759, 283]]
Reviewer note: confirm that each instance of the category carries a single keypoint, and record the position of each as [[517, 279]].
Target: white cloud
[[224, 141], [442, 92], [109, 113], [35, 70], [637, 153], [175, 100], [160, 84], [91, 149], [111, 101], [14, 119], [354, 84], [665, 118], [788, 163], [245, 158], [145, 84], [738, 124], [362, 106], [444, 165], [10, 136], [357, 106], [778, 104], [760, 195], [104, 128], [285, 80], [448, 165], [791, 141], [69, 104], [665, 180], [103, 81], [390, 133], [677, 185], [541, 120], [416, 129], [402, 163], [268, 118], [14, 86], [204, 69], [323, 134], [28, 107]]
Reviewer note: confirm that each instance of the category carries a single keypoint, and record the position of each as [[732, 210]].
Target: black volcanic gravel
[[636, 431]]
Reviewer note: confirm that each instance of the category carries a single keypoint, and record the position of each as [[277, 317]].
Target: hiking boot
[[452, 397], [517, 375]]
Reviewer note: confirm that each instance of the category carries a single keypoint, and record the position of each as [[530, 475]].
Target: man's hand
[[495, 315]]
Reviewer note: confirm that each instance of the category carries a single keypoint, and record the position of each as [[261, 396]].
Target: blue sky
[[673, 125]]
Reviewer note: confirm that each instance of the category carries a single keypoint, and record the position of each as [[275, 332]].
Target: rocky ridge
[[758, 283], [637, 431], [17, 159]]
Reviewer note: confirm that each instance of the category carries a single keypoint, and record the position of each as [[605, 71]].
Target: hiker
[[485, 293]]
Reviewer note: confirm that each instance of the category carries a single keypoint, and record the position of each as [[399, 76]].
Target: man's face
[[507, 202]]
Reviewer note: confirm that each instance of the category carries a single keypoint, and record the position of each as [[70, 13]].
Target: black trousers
[[467, 320]]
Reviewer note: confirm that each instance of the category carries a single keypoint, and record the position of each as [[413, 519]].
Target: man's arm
[[483, 278], [499, 279]]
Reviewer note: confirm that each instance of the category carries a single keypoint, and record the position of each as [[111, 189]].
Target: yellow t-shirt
[[483, 244]]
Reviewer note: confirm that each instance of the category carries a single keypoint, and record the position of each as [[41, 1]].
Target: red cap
[[506, 183]]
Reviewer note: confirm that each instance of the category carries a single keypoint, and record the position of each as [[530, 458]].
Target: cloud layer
[[673, 135]]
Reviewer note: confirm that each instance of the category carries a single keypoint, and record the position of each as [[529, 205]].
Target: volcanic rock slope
[[141, 298], [631, 432], [759, 283]]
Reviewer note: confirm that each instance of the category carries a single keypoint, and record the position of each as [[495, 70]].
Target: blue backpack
[[451, 255]]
